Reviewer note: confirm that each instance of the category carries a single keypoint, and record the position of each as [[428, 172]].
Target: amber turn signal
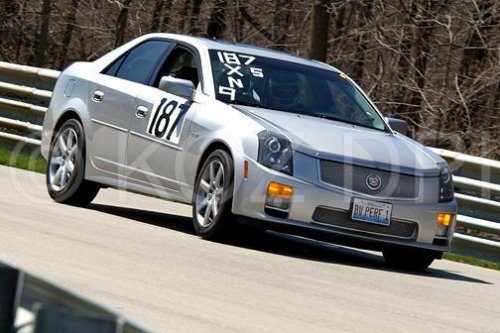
[[279, 190], [444, 219], [245, 170]]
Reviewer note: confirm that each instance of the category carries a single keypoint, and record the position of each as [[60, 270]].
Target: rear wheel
[[409, 259], [213, 196], [66, 167]]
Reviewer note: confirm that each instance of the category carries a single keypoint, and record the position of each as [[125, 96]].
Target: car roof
[[224, 45]]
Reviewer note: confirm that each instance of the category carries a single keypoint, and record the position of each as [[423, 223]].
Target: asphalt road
[[139, 255]]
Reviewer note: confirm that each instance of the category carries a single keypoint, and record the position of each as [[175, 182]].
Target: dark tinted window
[[113, 69], [142, 61], [180, 64]]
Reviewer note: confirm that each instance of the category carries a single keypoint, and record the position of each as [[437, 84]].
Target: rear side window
[[141, 62], [113, 69]]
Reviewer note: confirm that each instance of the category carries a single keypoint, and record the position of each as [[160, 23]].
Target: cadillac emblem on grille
[[373, 182]]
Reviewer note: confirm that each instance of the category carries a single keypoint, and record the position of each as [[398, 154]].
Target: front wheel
[[66, 167], [409, 259], [213, 196]]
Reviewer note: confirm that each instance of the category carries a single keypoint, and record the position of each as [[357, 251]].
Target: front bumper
[[313, 196]]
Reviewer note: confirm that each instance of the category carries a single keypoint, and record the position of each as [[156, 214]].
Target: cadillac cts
[[247, 135]]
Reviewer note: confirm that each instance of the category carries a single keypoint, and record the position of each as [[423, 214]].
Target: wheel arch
[[213, 146], [65, 116]]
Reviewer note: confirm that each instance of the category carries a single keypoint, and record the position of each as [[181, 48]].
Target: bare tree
[[216, 22], [43, 33], [434, 63], [318, 33], [68, 32], [121, 22], [470, 78], [157, 15], [194, 29]]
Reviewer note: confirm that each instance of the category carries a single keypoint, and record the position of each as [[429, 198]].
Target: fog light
[[279, 190], [444, 219], [278, 203]]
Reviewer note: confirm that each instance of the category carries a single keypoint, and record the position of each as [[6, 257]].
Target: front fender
[[218, 123]]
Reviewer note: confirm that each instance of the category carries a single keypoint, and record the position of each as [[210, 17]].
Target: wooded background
[[433, 63]]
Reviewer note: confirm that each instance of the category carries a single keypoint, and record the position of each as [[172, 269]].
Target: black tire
[[76, 190], [409, 259], [219, 225]]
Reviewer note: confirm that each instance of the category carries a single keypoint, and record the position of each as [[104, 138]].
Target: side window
[[180, 64], [113, 69], [141, 62]]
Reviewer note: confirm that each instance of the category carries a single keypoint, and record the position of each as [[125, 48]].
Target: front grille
[[342, 219], [353, 177]]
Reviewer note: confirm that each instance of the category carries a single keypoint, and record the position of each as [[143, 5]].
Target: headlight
[[445, 185], [275, 152]]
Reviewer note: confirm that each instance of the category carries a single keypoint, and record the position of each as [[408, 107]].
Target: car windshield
[[243, 79]]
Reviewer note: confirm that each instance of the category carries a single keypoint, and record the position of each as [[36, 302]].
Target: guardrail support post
[[8, 289]]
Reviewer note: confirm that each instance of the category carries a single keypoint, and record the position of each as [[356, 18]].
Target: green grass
[[472, 261], [22, 160]]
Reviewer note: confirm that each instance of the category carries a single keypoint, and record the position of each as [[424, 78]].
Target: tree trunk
[[404, 62], [255, 24], [194, 29], [238, 20], [280, 18], [183, 15], [165, 19], [421, 47], [318, 32], [9, 30], [157, 16], [68, 33], [473, 64], [20, 33], [216, 22], [121, 23], [43, 34]]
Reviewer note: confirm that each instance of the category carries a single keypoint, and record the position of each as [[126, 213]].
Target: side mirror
[[179, 87], [398, 125]]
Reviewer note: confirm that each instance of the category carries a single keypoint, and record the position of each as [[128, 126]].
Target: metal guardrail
[[25, 92], [477, 187], [29, 303], [24, 95]]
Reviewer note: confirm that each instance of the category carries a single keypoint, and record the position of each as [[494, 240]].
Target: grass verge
[[472, 261], [22, 160]]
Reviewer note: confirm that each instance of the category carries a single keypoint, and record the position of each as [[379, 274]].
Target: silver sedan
[[248, 136]]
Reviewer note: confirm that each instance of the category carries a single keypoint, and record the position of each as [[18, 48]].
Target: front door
[[160, 126], [157, 133]]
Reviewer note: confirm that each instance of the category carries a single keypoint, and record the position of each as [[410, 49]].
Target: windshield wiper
[[255, 105], [342, 120]]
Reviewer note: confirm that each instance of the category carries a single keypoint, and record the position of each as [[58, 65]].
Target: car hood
[[334, 140]]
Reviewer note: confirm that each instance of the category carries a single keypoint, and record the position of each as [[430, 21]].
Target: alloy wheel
[[62, 162], [209, 194]]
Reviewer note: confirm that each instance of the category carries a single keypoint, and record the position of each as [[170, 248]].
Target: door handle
[[98, 96], [141, 111]]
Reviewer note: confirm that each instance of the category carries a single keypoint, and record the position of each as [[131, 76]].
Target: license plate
[[371, 211]]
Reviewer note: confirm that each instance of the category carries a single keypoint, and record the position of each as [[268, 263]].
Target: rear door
[[160, 126], [112, 101]]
